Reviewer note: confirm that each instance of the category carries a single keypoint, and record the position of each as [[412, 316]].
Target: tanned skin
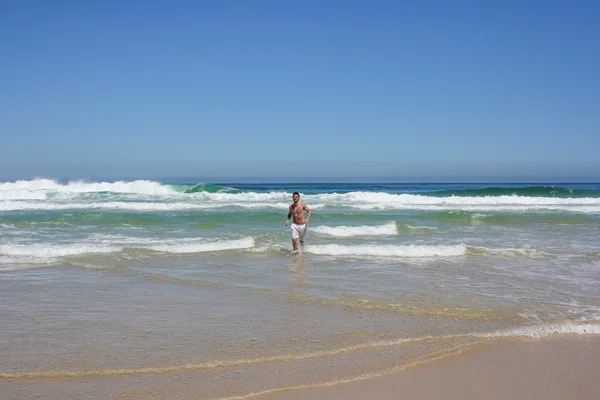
[[297, 213]]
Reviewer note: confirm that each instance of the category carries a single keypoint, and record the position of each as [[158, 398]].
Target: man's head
[[296, 197]]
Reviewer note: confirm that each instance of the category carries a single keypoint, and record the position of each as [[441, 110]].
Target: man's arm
[[309, 212], [289, 216]]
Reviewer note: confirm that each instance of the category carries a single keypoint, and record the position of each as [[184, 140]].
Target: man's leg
[[302, 234], [296, 233]]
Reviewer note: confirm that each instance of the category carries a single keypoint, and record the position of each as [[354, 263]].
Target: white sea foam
[[390, 199], [49, 253], [22, 194], [420, 227], [512, 252], [180, 206], [54, 250], [389, 228], [18, 264], [36, 189], [576, 208], [410, 251], [138, 186], [44, 194], [246, 196], [539, 331], [135, 206], [386, 201], [200, 247]]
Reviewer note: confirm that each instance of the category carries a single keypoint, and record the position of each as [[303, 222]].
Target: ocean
[[145, 289]]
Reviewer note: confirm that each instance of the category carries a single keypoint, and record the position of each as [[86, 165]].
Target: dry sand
[[551, 369]]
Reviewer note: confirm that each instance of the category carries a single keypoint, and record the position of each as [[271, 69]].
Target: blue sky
[[431, 90]]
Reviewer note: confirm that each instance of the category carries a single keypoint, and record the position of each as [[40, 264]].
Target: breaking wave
[[382, 250], [389, 228]]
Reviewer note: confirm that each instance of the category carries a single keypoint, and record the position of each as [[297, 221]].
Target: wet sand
[[555, 368], [550, 369]]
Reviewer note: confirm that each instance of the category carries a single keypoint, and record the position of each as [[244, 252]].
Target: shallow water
[[165, 284]]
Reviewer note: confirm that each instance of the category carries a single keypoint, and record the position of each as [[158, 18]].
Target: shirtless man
[[298, 227]]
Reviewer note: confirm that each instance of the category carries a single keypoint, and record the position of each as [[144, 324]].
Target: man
[[298, 227]]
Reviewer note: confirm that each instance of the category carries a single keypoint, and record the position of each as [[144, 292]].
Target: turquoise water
[[44, 222], [109, 279]]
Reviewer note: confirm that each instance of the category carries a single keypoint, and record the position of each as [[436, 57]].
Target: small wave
[[51, 253], [218, 245], [540, 331], [510, 252], [410, 251], [421, 228], [11, 263], [389, 228]]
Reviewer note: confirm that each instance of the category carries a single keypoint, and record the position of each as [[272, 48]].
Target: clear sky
[[412, 90]]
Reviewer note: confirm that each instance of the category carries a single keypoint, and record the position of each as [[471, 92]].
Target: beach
[[153, 290], [550, 369]]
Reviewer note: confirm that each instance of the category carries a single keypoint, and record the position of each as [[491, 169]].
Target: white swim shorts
[[298, 231]]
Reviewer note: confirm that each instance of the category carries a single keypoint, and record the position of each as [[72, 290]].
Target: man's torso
[[297, 211]]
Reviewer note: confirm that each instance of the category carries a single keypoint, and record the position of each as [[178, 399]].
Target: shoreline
[[557, 367], [553, 368]]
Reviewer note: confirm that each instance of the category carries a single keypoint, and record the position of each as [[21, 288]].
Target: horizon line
[[330, 179]]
